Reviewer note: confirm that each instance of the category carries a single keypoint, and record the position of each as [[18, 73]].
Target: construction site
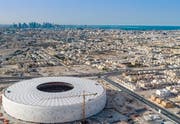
[[117, 108]]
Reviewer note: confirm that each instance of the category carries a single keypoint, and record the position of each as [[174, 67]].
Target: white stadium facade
[[54, 99]]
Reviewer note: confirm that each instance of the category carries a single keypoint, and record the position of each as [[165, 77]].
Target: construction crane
[[84, 105], [84, 95]]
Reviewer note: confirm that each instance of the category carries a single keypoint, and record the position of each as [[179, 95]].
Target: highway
[[170, 115], [146, 70], [105, 76]]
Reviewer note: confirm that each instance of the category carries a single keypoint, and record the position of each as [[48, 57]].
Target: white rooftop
[[26, 92]]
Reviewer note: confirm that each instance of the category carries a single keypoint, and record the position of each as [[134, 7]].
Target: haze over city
[[91, 12], [90, 61]]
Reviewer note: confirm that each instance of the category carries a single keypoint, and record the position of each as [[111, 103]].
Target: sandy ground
[[120, 109], [62, 70]]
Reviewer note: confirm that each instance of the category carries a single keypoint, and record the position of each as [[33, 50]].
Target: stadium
[[54, 99]]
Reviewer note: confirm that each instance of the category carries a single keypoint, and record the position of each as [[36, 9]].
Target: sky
[[91, 12]]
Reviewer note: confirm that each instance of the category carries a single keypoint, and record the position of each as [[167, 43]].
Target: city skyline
[[91, 12], [90, 61]]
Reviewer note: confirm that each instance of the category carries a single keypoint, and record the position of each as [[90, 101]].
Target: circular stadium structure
[[54, 99]]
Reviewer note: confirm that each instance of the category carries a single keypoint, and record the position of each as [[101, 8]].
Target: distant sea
[[109, 27], [121, 27]]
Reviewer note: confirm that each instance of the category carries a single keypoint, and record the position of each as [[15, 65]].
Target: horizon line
[[95, 24]]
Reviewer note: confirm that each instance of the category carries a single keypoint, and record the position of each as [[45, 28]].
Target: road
[[170, 115], [105, 76], [145, 70]]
